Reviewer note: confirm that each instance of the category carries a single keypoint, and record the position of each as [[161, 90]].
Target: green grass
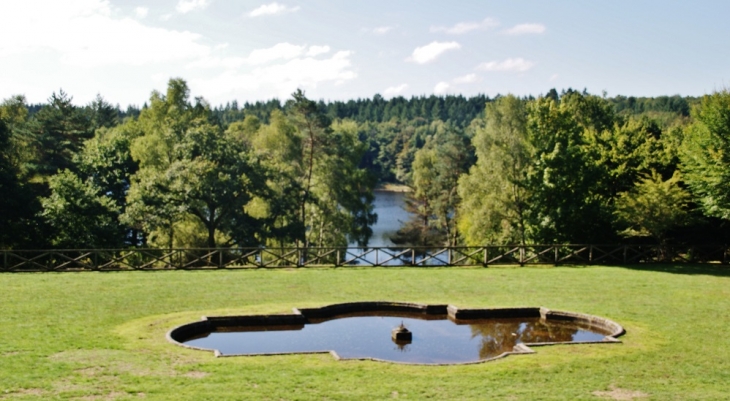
[[99, 336]]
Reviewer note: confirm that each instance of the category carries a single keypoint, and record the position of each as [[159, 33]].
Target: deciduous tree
[[705, 156]]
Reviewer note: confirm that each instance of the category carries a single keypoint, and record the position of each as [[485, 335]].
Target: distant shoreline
[[388, 187]]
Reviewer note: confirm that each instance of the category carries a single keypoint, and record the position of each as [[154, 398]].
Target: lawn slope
[[101, 336]]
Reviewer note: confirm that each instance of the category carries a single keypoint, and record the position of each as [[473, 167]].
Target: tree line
[[177, 172]]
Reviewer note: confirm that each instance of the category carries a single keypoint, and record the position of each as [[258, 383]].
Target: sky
[[248, 50]]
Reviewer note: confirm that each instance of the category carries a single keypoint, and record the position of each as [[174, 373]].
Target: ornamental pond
[[438, 334]]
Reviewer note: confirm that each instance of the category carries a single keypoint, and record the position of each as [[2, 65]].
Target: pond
[[440, 335]]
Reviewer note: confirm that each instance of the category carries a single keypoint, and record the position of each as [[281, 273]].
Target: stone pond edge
[[301, 316]]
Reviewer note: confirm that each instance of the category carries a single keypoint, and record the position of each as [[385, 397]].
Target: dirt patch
[[620, 394], [196, 374], [110, 396], [96, 362], [91, 371], [22, 393]]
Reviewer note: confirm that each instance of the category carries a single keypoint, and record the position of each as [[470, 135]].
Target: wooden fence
[[61, 260]]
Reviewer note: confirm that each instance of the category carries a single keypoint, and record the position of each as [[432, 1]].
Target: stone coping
[[299, 317]]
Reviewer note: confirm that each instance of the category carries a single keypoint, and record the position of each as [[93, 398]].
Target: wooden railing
[[232, 258]]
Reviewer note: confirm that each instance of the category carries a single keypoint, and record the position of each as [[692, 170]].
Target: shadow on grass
[[687, 269]]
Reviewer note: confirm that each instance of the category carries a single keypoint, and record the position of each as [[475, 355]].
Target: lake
[[391, 215]]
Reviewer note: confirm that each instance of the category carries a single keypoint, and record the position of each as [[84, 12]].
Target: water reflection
[[434, 341], [391, 215]]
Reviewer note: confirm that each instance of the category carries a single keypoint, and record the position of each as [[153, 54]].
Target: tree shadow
[[718, 270]]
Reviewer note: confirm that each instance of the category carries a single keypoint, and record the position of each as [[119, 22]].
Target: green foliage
[[565, 203], [435, 174], [705, 155], [653, 207], [672, 104], [19, 225], [9, 187], [189, 169], [80, 217], [103, 170], [57, 132], [102, 114], [322, 195], [495, 196], [631, 149], [554, 169]]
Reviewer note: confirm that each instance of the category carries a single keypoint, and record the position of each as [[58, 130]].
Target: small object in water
[[401, 333]]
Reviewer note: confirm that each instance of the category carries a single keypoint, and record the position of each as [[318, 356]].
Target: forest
[[563, 167]]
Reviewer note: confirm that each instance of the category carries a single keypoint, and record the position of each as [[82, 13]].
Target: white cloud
[[525, 29], [464, 27], [382, 30], [185, 6], [430, 52], [467, 79], [272, 9], [281, 79], [92, 41], [278, 52], [86, 34], [141, 12], [511, 64], [554, 77], [395, 90], [442, 88], [317, 50]]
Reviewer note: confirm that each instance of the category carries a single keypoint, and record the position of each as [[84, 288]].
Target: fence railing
[[60, 260]]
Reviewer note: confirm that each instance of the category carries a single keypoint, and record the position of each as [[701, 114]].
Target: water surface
[[434, 341], [391, 215]]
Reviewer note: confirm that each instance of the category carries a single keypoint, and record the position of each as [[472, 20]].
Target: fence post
[[522, 255], [590, 256], [486, 256]]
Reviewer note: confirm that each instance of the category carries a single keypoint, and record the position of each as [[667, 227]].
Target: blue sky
[[257, 50]]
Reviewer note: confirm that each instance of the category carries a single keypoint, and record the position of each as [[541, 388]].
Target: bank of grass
[[99, 336]]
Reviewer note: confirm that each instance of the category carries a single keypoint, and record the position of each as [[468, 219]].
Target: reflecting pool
[[435, 340]]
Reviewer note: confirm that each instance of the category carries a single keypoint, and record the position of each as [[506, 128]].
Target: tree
[[705, 155], [10, 202], [335, 194], [102, 114], [190, 172], [58, 131], [653, 207], [566, 204], [495, 195], [434, 199], [80, 217], [19, 205]]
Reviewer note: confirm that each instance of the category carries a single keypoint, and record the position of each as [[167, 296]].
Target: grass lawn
[[101, 336]]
